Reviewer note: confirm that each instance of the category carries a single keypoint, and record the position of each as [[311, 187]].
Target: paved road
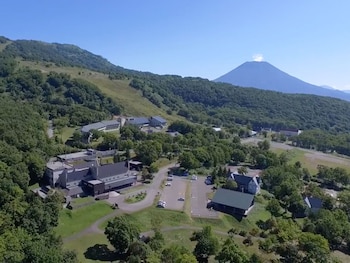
[[152, 191]]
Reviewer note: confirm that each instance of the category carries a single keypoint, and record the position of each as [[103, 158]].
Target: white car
[[168, 184]]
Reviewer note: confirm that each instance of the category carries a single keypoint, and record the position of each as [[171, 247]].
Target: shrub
[[243, 233]]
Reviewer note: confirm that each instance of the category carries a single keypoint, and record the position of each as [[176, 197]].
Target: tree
[[207, 244], [264, 145], [121, 233], [242, 170], [231, 253], [188, 161], [173, 252], [186, 258], [238, 156], [157, 241], [274, 207], [315, 246], [139, 249], [230, 184]]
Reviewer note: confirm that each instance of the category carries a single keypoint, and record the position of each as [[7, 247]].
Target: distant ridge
[[263, 75]]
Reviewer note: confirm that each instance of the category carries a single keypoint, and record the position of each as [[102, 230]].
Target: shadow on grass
[[102, 252]]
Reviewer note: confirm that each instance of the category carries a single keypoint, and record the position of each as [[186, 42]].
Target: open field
[[83, 247], [73, 221], [311, 159]]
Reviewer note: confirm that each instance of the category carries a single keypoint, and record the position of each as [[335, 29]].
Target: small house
[[246, 184]]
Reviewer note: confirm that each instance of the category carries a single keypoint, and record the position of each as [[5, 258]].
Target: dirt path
[[152, 190]]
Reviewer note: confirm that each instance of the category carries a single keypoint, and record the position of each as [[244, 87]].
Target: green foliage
[[207, 243], [121, 233], [231, 253]]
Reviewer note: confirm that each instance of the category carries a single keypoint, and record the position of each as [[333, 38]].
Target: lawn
[[91, 247], [74, 221], [82, 200], [311, 160]]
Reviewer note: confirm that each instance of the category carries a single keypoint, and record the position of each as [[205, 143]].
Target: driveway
[[151, 189], [171, 194], [199, 199]]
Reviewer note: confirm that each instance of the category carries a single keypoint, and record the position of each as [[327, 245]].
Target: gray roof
[[158, 118], [74, 191], [121, 182], [98, 125], [233, 198], [112, 169], [78, 175], [138, 121]]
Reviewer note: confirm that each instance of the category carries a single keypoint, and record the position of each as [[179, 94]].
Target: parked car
[[181, 199], [168, 184], [161, 204], [169, 179]]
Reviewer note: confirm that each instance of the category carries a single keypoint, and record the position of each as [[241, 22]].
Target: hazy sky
[[309, 39]]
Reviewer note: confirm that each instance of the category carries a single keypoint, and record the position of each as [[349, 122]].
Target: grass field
[[73, 221], [81, 246], [82, 200], [311, 160]]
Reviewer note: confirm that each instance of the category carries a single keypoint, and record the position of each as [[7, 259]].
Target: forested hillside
[[26, 221], [204, 101]]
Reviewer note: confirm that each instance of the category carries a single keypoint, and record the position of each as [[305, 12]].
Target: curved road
[[152, 191]]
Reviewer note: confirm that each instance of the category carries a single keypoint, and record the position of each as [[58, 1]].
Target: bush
[[243, 233], [254, 232], [263, 234], [248, 241]]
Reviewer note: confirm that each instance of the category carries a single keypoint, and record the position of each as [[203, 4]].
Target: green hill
[[198, 100]]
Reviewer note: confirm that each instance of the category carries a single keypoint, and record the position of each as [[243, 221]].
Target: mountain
[[263, 75], [62, 80]]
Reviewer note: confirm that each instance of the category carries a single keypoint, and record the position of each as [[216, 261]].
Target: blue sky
[[307, 39]]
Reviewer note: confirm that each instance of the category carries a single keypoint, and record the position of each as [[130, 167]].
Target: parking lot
[[172, 193], [199, 199]]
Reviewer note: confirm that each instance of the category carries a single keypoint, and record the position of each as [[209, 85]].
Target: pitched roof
[[241, 179], [138, 120], [112, 169], [233, 198], [158, 118], [78, 174], [99, 125], [314, 202]]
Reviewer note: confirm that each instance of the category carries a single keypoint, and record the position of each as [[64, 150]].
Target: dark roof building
[[232, 202], [247, 184], [101, 126], [157, 121], [138, 121]]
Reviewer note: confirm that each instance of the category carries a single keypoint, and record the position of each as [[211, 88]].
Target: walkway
[[152, 190]]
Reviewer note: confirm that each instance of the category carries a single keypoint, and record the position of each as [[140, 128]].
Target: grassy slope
[[119, 90], [73, 221], [3, 45], [312, 160]]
